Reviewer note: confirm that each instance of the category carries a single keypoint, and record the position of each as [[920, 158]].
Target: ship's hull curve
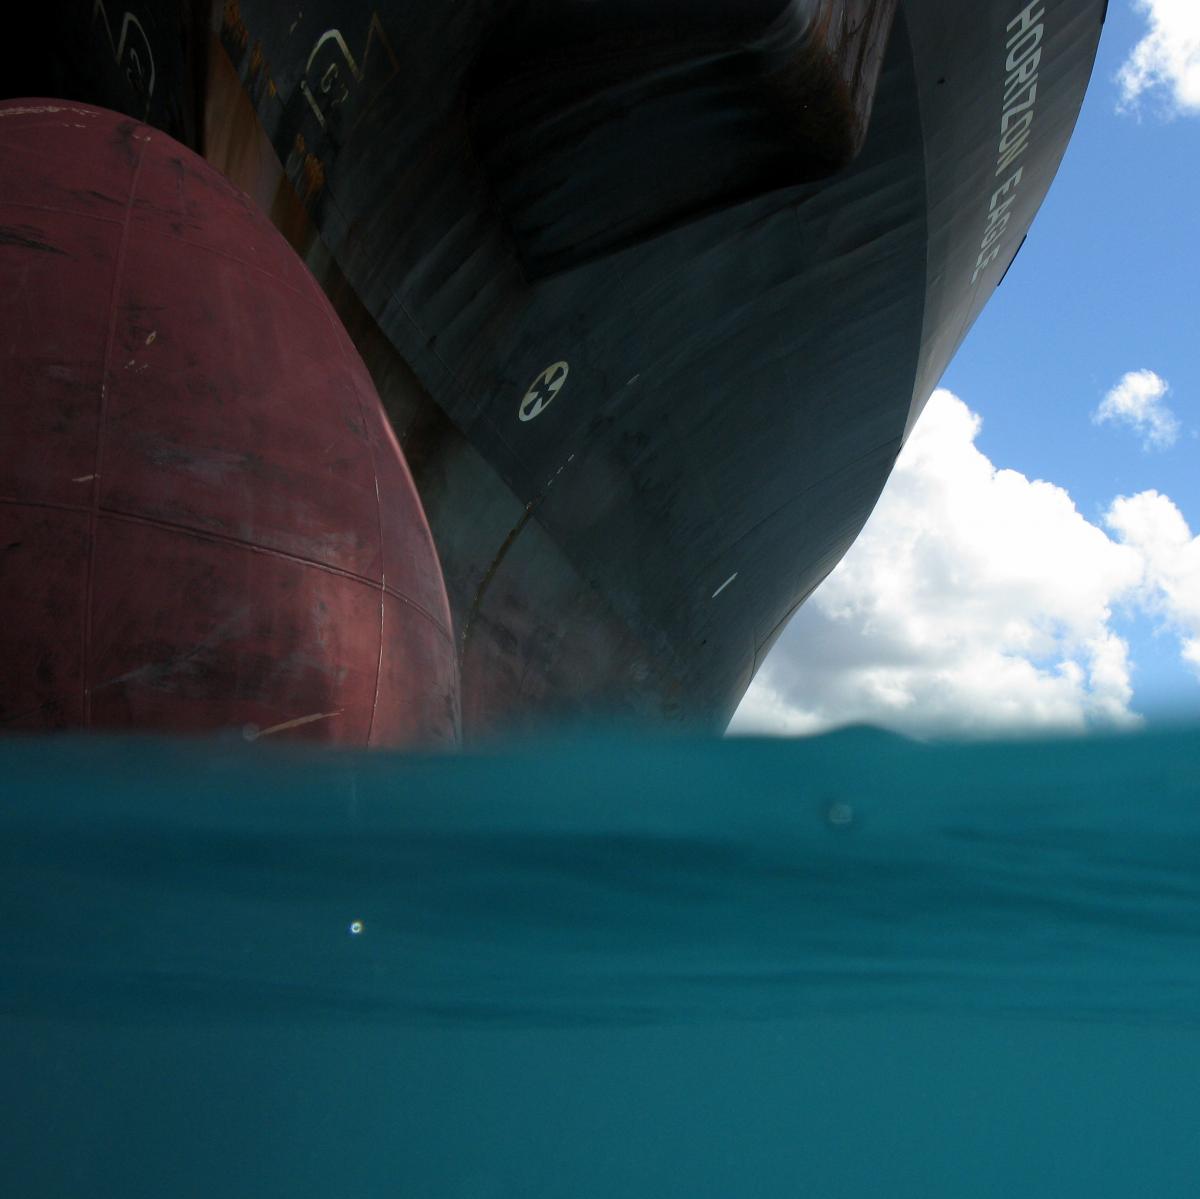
[[640, 447]]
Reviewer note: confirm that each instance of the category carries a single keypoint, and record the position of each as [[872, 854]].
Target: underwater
[[842, 966]]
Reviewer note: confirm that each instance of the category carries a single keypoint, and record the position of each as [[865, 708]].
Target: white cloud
[[1166, 62], [1139, 401], [1151, 525], [975, 601]]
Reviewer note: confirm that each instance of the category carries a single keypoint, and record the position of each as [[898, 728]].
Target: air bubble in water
[[840, 813]]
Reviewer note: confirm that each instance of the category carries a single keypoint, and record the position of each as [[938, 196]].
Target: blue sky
[[1108, 282], [1086, 608]]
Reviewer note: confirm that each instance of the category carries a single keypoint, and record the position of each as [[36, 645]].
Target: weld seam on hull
[[270, 551], [101, 417]]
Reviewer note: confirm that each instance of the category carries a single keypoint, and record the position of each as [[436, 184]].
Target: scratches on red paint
[[160, 671], [293, 724], [24, 110], [11, 235]]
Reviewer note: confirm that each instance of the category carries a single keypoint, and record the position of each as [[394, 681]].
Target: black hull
[[751, 317]]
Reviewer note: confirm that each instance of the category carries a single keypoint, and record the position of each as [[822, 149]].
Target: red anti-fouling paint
[[205, 520]]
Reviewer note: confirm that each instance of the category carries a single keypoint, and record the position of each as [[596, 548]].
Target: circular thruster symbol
[[542, 390]]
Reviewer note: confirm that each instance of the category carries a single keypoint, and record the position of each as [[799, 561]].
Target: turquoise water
[[842, 967]]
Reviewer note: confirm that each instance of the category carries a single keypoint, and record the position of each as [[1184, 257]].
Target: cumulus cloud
[[1139, 401], [977, 601], [1166, 62], [1151, 525]]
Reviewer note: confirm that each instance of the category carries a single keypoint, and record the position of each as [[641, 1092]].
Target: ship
[[651, 291]]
